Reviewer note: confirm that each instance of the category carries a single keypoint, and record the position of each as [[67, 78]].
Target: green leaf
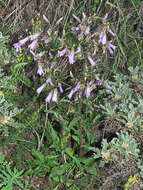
[[69, 151], [2, 158], [76, 139]]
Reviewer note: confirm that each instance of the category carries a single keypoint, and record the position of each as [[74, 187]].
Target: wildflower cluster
[[93, 39]]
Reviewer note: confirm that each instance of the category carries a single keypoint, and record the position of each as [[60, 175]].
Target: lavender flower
[[99, 80], [111, 48], [102, 37], [45, 18], [62, 53], [78, 50], [48, 80], [40, 70], [40, 88], [48, 99], [87, 91], [87, 31], [60, 88], [77, 87], [91, 83], [106, 15], [76, 18], [37, 56], [93, 63], [18, 45], [33, 45], [54, 98], [97, 106], [112, 33], [50, 54], [80, 94], [71, 57], [60, 40], [34, 36], [75, 28], [108, 86], [22, 42], [47, 40]]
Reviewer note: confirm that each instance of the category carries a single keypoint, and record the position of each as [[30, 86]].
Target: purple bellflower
[[77, 87], [108, 86], [106, 15], [34, 36], [112, 33], [93, 63], [18, 45], [40, 70], [37, 56], [50, 55], [111, 48], [60, 39], [91, 83], [54, 97], [47, 40], [76, 18], [48, 99], [78, 50], [75, 28], [80, 94], [45, 18], [40, 88], [33, 45], [62, 52], [102, 37], [48, 80], [87, 91], [87, 31], [99, 81], [71, 57], [60, 88]]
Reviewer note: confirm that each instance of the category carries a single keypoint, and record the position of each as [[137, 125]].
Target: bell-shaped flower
[[37, 56], [102, 37], [48, 80], [99, 80], [87, 31], [108, 86], [40, 70], [112, 33], [78, 50], [47, 40], [45, 18], [54, 97], [18, 45], [60, 88], [87, 91], [49, 97], [76, 18], [34, 36], [106, 15], [111, 48], [32, 45], [93, 63], [62, 52], [50, 54], [77, 87], [40, 88], [75, 28], [71, 57]]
